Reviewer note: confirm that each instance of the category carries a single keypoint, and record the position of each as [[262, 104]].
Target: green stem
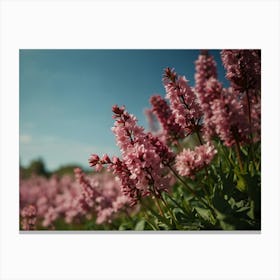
[[145, 211], [230, 163], [170, 212], [179, 146], [249, 114], [250, 125], [205, 191], [198, 136], [182, 181], [205, 166], [192, 191], [238, 153], [127, 215], [175, 202], [158, 206]]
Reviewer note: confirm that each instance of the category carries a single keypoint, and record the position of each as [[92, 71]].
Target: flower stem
[[250, 127], [249, 113], [238, 152], [182, 181], [145, 210], [228, 159], [170, 212], [174, 201], [158, 206], [198, 136]]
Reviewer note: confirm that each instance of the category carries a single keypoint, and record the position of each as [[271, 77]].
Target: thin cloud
[[25, 138]]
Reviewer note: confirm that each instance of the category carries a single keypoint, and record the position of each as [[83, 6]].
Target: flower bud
[[118, 110], [94, 159], [105, 159]]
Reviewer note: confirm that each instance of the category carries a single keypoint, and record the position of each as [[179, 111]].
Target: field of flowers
[[200, 171]]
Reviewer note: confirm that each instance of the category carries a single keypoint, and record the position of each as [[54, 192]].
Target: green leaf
[[241, 184], [179, 215], [152, 225], [140, 225], [204, 213], [162, 219], [226, 226], [124, 226], [251, 211], [220, 203], [163, 226]]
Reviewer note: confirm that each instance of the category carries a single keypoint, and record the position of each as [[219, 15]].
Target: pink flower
[[254, 112], [213, 90], [206, 68], [105, 159], [100, 195], [70, 200], [88, 194], [207, 89], [29, 217], [98, 167], [244, 72], [171, 130], [140, 155], [104, 215], [127, 180], [189, 162], [231, 123], [94, 159], [183, 101], [142, 169], [243, 68], [118, 110], [50, 217], [28, 211]]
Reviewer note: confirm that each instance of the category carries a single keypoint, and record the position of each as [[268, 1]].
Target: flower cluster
[[205, 69], [183, 101], [231, 123], [142, 170], [243, 68], [189, 162], [98, 196], [101, 196], [29, 217], [207, 89], [53, 197], [206, 108], [172, 131]]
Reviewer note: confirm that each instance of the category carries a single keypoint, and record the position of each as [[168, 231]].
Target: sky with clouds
[[66, 97]]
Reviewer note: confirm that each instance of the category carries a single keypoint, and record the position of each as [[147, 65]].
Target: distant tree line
[[38, 167]]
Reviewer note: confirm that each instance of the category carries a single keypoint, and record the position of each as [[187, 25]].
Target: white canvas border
[[139, 24]]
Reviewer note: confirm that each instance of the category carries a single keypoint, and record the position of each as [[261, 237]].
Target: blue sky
[[66, 97]]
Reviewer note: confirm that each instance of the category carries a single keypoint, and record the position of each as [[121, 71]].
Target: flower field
[[198, 167]]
